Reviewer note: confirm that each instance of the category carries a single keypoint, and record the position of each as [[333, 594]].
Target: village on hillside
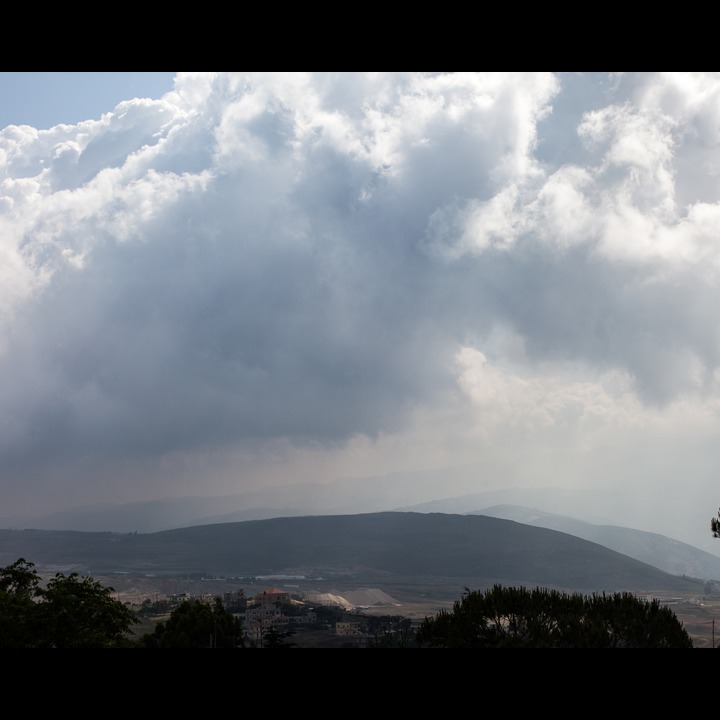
[[282, 611]]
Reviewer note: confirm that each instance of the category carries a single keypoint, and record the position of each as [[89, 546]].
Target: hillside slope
[[476, 550], [662, 552]]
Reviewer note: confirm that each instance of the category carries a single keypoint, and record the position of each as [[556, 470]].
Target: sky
[[213, 282]]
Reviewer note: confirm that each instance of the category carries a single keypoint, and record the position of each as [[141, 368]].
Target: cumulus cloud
[[327, 261]]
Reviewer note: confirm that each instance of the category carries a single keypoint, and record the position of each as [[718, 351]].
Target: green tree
[[402, 638], [19, 586], [518, 617], [79, 612], [70, 612], [715, 525], [391, 631], [196, 624], [273, 637]]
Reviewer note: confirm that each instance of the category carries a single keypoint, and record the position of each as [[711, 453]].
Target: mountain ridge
[[447, 549], [668, 554]]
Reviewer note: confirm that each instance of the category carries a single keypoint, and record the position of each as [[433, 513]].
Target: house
[[348, 628], [271, 596], [266, 610]]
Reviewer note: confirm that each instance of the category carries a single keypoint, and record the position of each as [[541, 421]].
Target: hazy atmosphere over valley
[[434, 284]]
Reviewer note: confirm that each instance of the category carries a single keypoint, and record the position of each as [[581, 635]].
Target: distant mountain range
[[374, 549], [415, 492], [582, 513], [662, 552]]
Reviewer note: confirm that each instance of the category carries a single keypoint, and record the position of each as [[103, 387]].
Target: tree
[[391, 631], [79, 612], [273, 637], [402, 638], [196, 624], [19, 585], [715, 525], [518, 617], [70, 612]]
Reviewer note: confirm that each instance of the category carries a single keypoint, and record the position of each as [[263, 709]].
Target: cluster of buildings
[[274, 608]]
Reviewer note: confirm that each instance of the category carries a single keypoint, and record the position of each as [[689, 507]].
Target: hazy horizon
[[220, 282]]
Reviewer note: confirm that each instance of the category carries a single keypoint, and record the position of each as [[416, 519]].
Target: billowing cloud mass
[[284, 277]]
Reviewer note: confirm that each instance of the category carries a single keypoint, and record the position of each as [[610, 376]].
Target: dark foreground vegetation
[[70, 611], [518, 617]]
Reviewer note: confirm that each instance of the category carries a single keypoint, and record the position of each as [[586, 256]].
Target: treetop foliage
[[195, 624], [69, 612], [541, 618], [715, 525]]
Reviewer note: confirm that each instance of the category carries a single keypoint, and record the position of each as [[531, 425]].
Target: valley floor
[[699, 616]]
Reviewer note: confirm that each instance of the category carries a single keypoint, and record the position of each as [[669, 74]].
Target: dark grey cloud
[[269, 258]]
